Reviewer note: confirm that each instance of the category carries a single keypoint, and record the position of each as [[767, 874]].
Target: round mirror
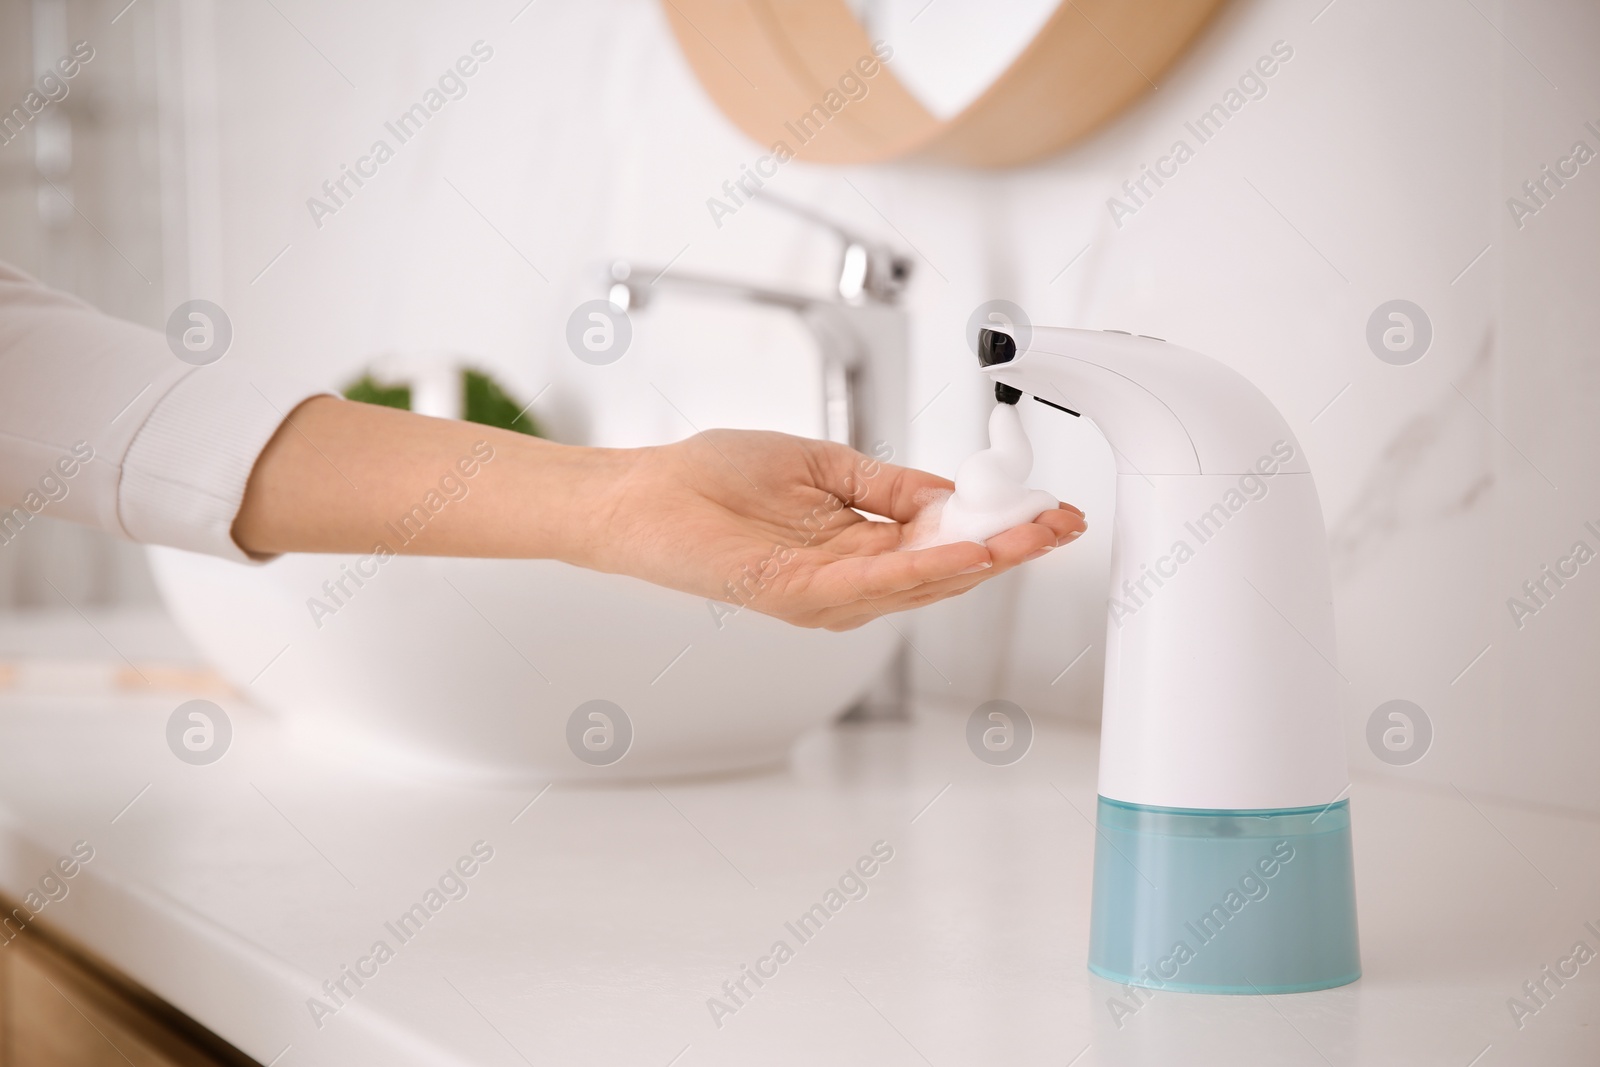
[[991, 85]]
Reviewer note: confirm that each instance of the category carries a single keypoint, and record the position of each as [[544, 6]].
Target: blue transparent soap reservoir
[[1224, 901]]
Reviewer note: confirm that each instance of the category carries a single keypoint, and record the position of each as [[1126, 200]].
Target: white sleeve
[[102, 424]]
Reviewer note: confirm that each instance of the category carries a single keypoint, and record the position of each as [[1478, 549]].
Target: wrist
[[571, 495]]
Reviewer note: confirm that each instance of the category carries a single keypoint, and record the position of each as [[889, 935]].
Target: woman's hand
[[746, 519], [765, 521]]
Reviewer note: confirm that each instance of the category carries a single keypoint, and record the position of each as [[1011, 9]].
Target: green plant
[[483, 401], [486, 403], [367, 390]]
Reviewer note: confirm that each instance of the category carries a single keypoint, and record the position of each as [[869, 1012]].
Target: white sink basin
[[472, 668]]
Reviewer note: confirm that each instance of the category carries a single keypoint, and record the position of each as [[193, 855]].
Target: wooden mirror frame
[[768, 64]]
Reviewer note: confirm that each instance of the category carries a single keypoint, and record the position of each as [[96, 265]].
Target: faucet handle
[[867, 269], [873, 271]]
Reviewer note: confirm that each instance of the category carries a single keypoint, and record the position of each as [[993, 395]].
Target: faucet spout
[[862, 346]]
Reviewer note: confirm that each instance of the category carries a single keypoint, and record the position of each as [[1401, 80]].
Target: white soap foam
[[991, 493]]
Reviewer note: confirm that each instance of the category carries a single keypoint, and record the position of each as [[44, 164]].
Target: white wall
[[1376, 167]]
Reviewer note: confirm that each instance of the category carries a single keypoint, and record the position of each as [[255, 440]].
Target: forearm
[[341, 476], [748, 518]]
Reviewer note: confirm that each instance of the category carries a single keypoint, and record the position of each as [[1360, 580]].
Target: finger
[[1020, 543], [850, 616], [1051, 529], [862, 538], [1066, 521], [884, 578], [932, 592], [844, 581], [867, 609], [1007, 550], [870, 484]]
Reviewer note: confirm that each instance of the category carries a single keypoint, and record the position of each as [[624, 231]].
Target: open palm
[[768, 521]]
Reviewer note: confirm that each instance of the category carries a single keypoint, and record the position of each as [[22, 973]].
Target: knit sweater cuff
[[184, 476]]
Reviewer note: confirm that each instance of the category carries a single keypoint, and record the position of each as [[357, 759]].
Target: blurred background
[[1377, 166]]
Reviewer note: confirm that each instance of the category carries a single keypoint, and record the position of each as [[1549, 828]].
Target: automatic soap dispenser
[[1223, 855]]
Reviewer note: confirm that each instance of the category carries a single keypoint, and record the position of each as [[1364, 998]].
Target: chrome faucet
[[860, 332], [861, 337]]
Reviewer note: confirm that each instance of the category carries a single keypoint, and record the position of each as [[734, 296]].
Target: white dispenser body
[[1220, 688], [1217, 688], [1221, 751]]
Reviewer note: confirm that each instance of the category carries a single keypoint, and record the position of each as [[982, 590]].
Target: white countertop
[[609, 915]]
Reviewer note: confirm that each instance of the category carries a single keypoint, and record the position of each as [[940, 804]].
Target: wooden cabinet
[[60, 1008]]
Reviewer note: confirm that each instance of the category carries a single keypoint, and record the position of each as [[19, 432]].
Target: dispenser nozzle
[[995, 347]]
